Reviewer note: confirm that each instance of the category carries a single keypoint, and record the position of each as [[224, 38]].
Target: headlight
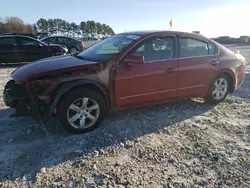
[[39, 86]]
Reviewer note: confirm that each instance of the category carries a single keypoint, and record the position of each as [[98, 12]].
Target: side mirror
[[40, 45], [134, 60]]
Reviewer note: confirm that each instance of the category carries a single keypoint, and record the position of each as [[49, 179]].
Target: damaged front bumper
[[25, 101]]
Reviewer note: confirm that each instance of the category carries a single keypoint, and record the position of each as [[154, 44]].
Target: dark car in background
[[73, 45], [244, 39], [20, 49], [225, 40]]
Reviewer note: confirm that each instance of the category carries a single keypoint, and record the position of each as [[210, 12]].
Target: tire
[[219, 80], [75, 99], [73, 50]]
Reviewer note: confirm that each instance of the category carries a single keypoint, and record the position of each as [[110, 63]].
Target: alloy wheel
[[220, 88], [83, 113], [73, 50]]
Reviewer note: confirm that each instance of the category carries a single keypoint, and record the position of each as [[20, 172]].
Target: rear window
[[72, 40]]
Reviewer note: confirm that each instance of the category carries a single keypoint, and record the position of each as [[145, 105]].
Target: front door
[[198, 65], [9, 52], [152, 82], [31, 50]]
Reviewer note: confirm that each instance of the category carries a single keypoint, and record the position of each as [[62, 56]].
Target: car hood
[[52, 66], [57, 45]]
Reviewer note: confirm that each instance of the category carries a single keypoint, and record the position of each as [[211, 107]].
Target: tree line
[[59, 26], [14, 25], [56, 26]]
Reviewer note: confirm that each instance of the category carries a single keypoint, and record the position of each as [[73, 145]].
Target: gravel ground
[[181, 144]]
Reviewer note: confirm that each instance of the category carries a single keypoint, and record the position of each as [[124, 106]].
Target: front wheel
[[81, 111], [218, 90], [73, 50]]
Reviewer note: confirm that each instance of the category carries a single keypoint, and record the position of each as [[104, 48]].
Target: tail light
[[240, 57], [81, 43]]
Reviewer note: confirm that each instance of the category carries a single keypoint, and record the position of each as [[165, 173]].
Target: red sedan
[[126, 70]]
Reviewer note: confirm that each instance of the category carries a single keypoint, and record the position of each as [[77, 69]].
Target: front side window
[[155, 49], [192, 48], [46, 40], [105, 50], [8, 41]]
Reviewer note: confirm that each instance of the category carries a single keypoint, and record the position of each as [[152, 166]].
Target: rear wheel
[[81, 111], [218, 90]]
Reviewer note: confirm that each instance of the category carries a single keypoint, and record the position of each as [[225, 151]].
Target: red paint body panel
[[195, 75], [146, 84], [51, 66]]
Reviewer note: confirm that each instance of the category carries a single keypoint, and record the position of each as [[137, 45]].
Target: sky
[[211, 17]]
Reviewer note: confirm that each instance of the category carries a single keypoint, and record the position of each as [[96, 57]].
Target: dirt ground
[[181, 144]]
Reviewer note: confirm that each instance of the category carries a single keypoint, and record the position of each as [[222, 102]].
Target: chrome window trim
[[177, 58]]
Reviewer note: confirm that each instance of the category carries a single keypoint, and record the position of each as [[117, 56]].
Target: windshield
[[105, 50]]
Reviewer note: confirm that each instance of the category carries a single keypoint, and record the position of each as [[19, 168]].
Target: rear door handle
[[170, 70], [214, 62]]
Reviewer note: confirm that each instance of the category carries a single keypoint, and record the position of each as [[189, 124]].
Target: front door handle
[[214, 62], [170, 70]]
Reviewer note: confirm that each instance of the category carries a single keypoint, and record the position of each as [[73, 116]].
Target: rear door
[[31, 50], [198, 64], [9, 52]]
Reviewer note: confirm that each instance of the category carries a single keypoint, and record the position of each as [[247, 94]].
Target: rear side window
[[8, 41], [192, 48], [71, 41], [52, 39], [59, 39]]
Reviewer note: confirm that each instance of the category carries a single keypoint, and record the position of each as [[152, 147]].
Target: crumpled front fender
[[66, 87]]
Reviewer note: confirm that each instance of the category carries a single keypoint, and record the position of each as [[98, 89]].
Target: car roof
[[22, 36], [60, 37], [152, 32]]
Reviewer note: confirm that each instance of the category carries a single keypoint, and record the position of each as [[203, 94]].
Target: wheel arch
[[230, 74], [65, 88]]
